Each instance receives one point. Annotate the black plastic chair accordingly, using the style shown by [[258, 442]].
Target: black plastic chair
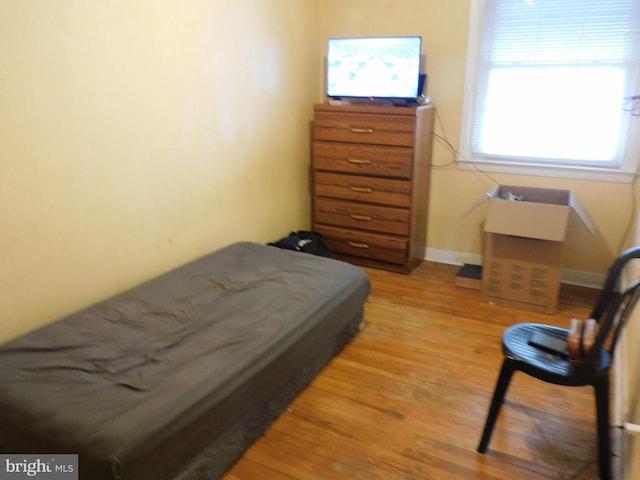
[[611, 311]]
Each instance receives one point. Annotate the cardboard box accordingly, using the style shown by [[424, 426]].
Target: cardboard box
[[525, 245]]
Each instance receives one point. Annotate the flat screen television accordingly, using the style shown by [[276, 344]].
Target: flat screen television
[[375, 67]]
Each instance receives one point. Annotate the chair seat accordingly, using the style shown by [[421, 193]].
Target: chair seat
[[550, 367]]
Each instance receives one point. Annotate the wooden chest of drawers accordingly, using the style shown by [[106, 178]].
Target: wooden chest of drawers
[[371, 173]]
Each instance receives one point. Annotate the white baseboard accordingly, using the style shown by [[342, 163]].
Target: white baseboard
[[452, 258], [571, 277]]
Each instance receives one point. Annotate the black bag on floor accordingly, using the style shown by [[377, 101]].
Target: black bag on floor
[[304, 241]]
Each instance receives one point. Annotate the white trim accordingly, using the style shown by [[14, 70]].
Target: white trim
[[620, 379], [583, 279], [570, 277], [452, 258], [621, 405], [471, 74], [632, 428], [577, 173]]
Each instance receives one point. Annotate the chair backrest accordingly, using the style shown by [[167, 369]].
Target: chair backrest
[[613, 307], [612, 283]]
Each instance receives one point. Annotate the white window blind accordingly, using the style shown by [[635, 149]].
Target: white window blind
[[552, 77]]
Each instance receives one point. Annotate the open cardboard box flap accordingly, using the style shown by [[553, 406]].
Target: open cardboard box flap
[[543, 213]]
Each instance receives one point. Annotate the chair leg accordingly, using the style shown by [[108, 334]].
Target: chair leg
[[604, 433], [498, 398]]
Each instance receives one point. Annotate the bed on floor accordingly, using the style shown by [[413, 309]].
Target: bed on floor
[[175, 378]]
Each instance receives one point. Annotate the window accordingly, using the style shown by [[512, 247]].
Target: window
[[547, 84]]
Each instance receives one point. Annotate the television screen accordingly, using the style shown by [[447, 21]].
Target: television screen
[[377, 67]]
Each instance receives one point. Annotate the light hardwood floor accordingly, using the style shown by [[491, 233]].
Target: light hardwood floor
[[407, 398]]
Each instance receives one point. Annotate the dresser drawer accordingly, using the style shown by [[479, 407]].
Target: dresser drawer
[[366, 245], [385, 191], [363, 159], [361, 216], [364, 128]]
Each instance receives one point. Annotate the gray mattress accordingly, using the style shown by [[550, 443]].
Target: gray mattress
[[176, 377]]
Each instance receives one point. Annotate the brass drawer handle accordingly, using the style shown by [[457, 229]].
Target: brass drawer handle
[[357, 216], [357, 244], [359, 161], [360, 189], [361, 130]]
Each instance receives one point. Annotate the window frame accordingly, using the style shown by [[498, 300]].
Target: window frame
[[625, 172]]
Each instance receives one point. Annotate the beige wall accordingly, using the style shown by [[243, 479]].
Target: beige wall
[[136, 135], [632, 353]]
